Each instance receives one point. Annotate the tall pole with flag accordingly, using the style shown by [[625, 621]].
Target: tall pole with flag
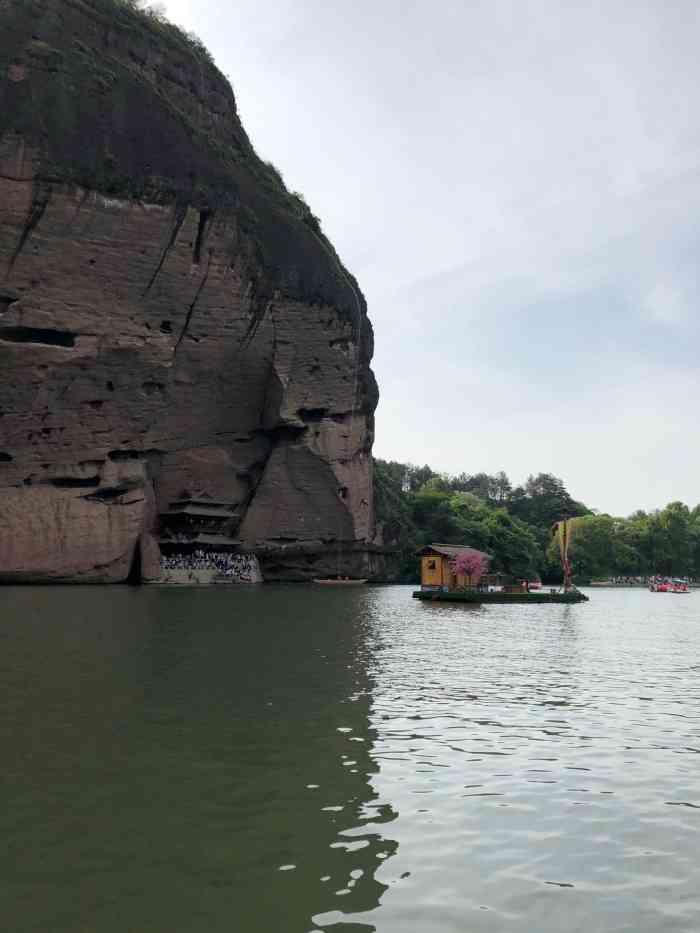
[[563, 531]]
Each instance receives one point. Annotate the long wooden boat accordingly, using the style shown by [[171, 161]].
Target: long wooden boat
[[476, 597], [331, 582]]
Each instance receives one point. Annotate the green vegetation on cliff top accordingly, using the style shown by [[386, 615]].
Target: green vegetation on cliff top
[[153, 17], [119, 100]]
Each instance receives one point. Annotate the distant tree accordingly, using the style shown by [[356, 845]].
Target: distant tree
[[434, 517], [543, 500], [418, 476], [481, 484], [502, 488], [675, 522], [515, 544], [392, 509], [417, 506], [438, 482], [694, 542], [592, 550], [494, 488], [460, 483]]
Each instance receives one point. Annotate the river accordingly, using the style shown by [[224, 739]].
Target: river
[[289, 759]]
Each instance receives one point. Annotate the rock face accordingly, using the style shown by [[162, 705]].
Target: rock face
[[173, 323]]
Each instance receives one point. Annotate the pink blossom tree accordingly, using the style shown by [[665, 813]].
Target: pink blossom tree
[[471, 564]]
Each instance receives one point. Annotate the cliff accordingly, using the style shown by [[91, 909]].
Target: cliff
[[173, 323]]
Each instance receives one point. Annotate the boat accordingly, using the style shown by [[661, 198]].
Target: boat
[[458, 574], [661, 585], [339, 582]]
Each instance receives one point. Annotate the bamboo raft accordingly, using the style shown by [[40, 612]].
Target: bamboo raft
[[477, 598]]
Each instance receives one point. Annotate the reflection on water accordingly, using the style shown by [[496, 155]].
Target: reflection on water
[[294, 759], [187, 760]]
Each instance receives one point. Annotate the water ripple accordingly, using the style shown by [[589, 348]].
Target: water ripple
[[595, 714], [291, 760]]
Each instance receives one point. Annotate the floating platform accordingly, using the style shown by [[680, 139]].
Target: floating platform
[[475, 597]]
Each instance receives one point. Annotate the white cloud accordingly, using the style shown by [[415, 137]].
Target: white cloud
[[667, 304]]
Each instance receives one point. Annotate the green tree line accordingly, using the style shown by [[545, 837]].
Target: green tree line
[[416, 506]]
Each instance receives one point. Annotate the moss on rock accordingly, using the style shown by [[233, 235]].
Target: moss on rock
[[118, 101]]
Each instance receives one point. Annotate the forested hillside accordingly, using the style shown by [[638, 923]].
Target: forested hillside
[[416, 506]]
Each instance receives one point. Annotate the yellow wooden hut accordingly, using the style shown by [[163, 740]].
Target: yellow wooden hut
[[437, 567]]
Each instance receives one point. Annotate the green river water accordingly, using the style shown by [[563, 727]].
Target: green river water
[[296, 759]]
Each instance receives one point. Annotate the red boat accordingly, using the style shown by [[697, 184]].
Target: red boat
[[669, 586]]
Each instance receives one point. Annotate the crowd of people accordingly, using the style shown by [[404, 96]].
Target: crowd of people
[[630, 581], [242, 567]]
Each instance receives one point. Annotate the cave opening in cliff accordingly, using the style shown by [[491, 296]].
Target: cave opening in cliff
[[45, 335], [313, 414], [134, 578], [199, 241], [122, 456], [75, 482]]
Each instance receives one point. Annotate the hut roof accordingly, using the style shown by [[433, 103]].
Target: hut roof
[[452, 550]]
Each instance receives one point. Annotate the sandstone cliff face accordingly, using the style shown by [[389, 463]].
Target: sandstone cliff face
[[172, 322]]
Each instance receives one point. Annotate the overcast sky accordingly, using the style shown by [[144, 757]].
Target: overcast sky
[[516, 186]]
